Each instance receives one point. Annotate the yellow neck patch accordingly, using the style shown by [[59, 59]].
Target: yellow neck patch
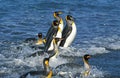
[[44, 40], [46, 63], [61, 21], [59, 29], [73, 24], [54, 15], [50, 74], [39, 42]]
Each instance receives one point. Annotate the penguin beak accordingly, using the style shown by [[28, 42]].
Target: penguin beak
[[60, 12], [88, 56], [57, 13], [71, 18]]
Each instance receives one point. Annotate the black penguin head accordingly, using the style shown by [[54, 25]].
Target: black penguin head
[[55, 23], [39, 35], [46, 61], [69, 17], [87, 56]]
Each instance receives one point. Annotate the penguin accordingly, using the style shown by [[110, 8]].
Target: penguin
[[86, 65], [40, 40], [53, 33], [69, 32], [60, 27], [79, 70]]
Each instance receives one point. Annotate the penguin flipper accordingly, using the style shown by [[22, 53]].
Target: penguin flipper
[[65, 34], [49, 32], [49, 39]]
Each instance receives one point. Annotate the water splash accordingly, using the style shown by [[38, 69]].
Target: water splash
[[92, 50], [77, 72], [94, 73]]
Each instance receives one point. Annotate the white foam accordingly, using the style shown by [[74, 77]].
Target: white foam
[[95, 72], [92, 50], [112, 42], [114, 46], [57, 61], [75, 72], [4, 70], [2, 56], [17, 58]]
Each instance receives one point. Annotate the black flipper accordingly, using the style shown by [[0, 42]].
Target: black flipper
[[66, 32]]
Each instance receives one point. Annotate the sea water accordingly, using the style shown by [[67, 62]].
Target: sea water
[[98, 34]]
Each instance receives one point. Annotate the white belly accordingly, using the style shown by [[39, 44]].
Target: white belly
[[71, 37], [51, 46], [61, 26], [59, 35]]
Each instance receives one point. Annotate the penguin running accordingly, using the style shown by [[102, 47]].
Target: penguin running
[[46, 73], [53, 32], [69, 32], [59, 19], [86, 65], [60, 26]]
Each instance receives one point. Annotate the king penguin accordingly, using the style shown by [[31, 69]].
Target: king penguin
[[40, 40], [59, 19], [69, 32], [49, 40]]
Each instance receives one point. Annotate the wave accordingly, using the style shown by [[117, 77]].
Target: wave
[[75, 71], [78, 52], [14, 56]]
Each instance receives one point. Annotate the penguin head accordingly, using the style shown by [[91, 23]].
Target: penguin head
[[55, 23], [69, 17], [69, 20], [87, 56], [46, 61], [39, 35], [57, 13]]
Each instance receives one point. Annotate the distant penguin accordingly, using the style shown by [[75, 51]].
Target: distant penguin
[[80, 71], [40, 39], [69, 32], [86, 65]]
